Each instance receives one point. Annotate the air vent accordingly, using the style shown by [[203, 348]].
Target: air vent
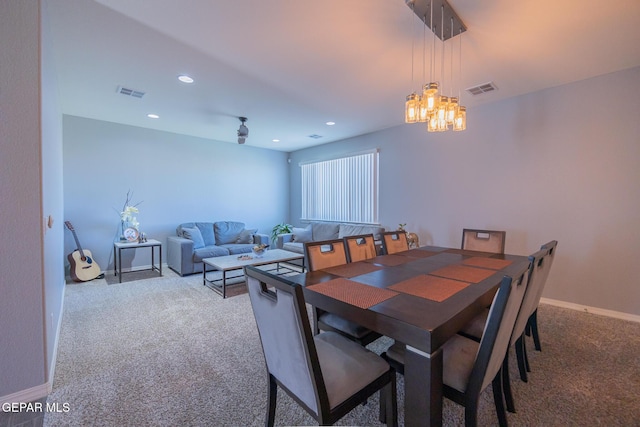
[[315, 136], [483, 88], [130, 92]]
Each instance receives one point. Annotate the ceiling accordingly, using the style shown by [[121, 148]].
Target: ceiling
[[291, 66]]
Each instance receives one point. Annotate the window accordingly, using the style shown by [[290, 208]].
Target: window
[[343, 189]]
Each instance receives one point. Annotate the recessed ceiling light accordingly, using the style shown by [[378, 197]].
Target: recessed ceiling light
[[330, 123], [153, 116], [275, 140], [185, 79]]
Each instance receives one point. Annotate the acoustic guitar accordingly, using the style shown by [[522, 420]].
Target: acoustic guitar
[[83, 267]]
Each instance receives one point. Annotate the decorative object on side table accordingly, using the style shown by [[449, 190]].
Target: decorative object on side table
[[259, 250], [412, 238], [129, 225]]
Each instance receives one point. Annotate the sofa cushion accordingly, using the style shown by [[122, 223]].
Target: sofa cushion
[[208, 252], [357, 229], [294, 247], [324, 230], [302, 235], [236, 248], [194, 235], [246, 236], [227, 231], [206, 229]]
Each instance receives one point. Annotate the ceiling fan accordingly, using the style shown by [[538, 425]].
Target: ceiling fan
[[243, 131]]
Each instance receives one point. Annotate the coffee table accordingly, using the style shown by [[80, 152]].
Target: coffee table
[[239, 261]]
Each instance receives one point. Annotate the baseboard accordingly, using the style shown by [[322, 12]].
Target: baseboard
[[28, 395], [593, 310]]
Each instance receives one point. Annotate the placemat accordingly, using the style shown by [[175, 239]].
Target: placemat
[[463, 273], [354, 293], [390, 260], [416, 253], [430, 287], [492, 263], [352, 269]]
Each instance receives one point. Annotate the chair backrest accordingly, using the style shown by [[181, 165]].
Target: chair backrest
[[394, 241], [483, 240], [287, 342], [325, 254], [496, 336], [360, 247], [540, 263]]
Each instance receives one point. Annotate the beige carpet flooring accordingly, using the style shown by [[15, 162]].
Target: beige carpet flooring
[[170, 352]]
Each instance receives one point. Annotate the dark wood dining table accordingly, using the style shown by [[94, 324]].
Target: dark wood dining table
[[420, 297]]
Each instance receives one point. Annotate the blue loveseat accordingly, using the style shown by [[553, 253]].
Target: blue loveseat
[[195, 241]]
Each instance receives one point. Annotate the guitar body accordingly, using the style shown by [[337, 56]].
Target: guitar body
[[83, 267], [83, 270]]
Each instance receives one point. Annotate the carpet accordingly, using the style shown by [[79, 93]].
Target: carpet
[[168, 351]]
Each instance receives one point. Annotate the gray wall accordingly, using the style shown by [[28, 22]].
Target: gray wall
[[176, 178], [556, 164]]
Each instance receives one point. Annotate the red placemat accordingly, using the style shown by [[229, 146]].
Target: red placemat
[[390, 260], [463, 273], [430, 287], [416, 253], [354, 293], [492, 263], [352, 269]]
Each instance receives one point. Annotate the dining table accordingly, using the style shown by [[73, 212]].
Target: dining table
[[420, 297]]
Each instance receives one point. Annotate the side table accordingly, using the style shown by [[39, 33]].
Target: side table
[[117, 255]]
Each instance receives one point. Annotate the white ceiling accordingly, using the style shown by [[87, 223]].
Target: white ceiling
[[290, 66]]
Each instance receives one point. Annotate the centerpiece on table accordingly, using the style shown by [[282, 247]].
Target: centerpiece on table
[[129, 225], [259, 250]]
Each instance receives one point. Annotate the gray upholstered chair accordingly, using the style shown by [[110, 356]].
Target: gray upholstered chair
[[394, 241], [327, 374], [532, 324], [327, 254], [360, 248], [539, 265], [469, 366], [483, 240]]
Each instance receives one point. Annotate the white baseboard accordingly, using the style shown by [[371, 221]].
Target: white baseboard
[[28, 395], [592, 310]]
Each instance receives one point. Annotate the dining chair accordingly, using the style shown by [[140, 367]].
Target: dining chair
[[532, 323], [483, 240], [394, 241], [539, 264], [470, 366], [327, 374], [326, 254], [360, 248]]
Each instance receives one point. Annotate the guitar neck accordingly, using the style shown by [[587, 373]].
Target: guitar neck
[[75, 237]]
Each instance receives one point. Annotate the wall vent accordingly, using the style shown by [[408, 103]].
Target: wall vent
[[483, 88], [130, 92], [315, 136]]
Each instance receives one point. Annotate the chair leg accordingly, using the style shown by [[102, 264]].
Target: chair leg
[[526, 356], [316, 314], [471, 413], [533, 322], [521, 354], [389, 403], [506, 384], [271, 405], [498, 399]]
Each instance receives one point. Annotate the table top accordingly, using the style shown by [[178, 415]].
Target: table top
[[149, 242], [420, 297], [231, 262]]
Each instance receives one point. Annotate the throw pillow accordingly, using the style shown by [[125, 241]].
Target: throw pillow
[[194, 235], [301, 235], [246, 236]]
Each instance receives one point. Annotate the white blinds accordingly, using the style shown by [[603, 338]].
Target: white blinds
[[344, 189]]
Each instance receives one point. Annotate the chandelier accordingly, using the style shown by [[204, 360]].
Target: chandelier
[[439, 111]]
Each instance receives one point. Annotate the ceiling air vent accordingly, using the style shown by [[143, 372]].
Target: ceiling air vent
[[315, 136], [130, 92], [483, 88]]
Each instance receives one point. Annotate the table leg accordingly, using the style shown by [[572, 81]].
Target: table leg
[[224, 284], [160, 256], [423, 388], [115, 262], [119, 265]]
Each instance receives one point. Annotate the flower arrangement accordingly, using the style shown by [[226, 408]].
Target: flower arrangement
[[127, 215]]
